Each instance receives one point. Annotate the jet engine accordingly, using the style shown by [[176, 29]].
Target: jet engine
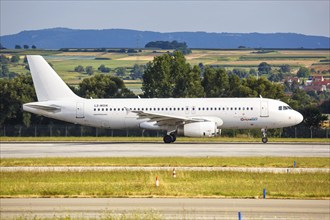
[[198, 129]]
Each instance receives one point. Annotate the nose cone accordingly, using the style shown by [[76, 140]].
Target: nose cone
[[299, 118]]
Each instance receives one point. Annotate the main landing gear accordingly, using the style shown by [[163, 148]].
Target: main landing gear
[[264, 138], [169, 138]]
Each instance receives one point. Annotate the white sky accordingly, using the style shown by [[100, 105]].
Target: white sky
[[310, 17]]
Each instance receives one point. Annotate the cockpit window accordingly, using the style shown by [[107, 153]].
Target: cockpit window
[[284, 108]]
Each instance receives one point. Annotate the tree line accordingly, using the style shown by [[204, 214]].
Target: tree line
[[167, 45], [168, 75], [135, 73]]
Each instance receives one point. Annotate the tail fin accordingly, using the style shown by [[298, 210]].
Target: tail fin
[[48, 85]]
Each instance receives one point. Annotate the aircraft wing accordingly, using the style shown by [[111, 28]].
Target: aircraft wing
[[164, 119]]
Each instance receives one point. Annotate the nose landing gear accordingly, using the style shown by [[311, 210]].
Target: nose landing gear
[[264, 138]]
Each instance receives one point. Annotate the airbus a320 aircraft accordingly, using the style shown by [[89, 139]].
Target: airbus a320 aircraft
[[192, 117]]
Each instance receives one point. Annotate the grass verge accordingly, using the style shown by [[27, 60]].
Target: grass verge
[[142, 184], [280, 162]]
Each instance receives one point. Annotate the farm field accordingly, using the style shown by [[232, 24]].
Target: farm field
[[65, 62]]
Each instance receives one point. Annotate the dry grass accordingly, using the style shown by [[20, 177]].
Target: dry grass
[[142, 184], [278, 162]]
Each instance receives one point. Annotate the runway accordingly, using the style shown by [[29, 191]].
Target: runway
[[168, 208], [88, 149]]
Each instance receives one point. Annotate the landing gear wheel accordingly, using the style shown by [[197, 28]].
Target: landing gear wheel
[[264, 138], [168, 139]]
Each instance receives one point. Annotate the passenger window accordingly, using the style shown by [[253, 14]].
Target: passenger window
[[94, 109], [247, 108], [235, 108], [239, 108], [251, 108]]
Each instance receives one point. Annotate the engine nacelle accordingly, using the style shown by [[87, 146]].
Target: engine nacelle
[[198, 129]]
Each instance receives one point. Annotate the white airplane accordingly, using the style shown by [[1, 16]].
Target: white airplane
[[192, 117]]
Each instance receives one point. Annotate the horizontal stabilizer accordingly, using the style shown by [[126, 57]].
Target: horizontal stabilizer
[[38, 106]]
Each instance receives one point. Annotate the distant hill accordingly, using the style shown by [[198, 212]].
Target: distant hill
[[57, 38]]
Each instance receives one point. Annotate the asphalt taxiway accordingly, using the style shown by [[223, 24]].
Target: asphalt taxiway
[[168, 208], [97, 149]]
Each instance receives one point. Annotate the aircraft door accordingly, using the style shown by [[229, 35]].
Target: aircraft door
[[80, 110], [264, 109]]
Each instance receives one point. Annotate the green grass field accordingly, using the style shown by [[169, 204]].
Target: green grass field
[[187, 184], [142, 184], [282, 162], [65, 62]]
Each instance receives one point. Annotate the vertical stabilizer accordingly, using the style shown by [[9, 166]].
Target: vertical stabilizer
[[48, 85]]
